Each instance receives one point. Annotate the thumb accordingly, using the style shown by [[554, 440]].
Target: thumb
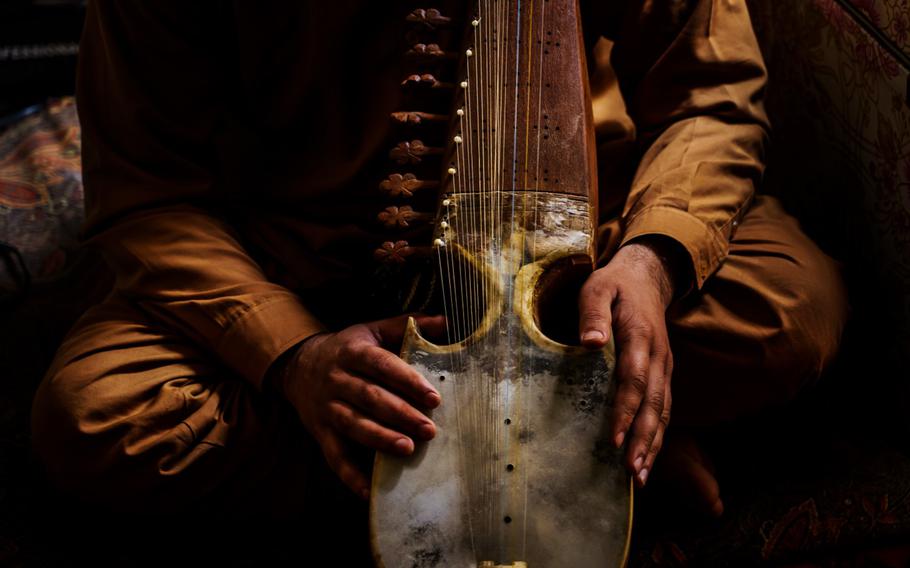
[[390, 332], [432, 327], [594, 313]]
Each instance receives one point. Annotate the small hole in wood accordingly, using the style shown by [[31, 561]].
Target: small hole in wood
[[507, 519], [510, 467], [508, 421]]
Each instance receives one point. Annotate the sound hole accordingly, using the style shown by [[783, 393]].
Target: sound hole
[[556, 299]]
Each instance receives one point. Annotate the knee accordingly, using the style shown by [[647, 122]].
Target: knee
[[67, 449], [106, 443], [812, 318]]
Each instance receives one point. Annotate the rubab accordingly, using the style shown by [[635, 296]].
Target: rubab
[[522, 472]]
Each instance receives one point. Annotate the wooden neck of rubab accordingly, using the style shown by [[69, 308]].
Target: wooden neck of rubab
[[519, 185], [526, 122]]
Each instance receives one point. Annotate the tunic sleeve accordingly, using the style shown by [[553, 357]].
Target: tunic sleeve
[[153, 98], [693, 79]]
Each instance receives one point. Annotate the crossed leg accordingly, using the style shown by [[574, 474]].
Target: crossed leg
[[138, 417], [761, 331]]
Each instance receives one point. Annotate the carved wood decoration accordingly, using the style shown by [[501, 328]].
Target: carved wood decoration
[[405, 185], [522, 472]]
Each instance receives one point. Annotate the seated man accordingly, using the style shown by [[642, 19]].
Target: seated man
[[230, 152]]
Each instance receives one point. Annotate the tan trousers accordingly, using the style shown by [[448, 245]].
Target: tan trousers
[[134, 415]]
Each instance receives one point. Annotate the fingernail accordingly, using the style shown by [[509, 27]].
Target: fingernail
[[432, 399], [637, 463], [404, 446], [643, 476], [593, 335], [427, 431], [364, 493], [620, 438]]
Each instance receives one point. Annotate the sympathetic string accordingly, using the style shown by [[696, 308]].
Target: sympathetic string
[[492, 162]]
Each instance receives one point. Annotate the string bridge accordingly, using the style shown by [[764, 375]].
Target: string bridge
[[491, 564]]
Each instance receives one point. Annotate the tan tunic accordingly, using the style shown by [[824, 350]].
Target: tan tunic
[[224, 139], [231, 154]]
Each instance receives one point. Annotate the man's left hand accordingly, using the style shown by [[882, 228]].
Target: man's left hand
[[630, 295]]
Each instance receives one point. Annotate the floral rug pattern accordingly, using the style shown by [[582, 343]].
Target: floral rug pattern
[[41, 190], [891, 17]]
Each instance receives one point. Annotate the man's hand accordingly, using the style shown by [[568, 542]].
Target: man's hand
[[348, 386], [631, 295]]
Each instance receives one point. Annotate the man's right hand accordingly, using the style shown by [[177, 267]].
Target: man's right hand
[[348, 386]]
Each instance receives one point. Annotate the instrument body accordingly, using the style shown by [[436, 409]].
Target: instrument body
[[522, 468]]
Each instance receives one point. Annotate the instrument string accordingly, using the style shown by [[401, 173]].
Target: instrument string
[[451, 307], [536, 225], [484, 189], [476, 168], [524, 382], [486, 388], [516, 246], [492, 19], [464, 207], [469, 209], [485, 77], [487, 416]]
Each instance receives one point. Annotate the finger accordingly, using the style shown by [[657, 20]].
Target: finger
[[632, 372], [353, 424], [432, 327], [658, 442], [387, 369], [336, 456], [594, 311], [647, 422], [390, 332], [386, 407]]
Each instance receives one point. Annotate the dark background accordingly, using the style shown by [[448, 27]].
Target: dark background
[[825, 482]]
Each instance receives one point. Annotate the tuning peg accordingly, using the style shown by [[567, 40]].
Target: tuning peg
[[395, 217], [404, 185], [418, 117], [412, 152], [425, 81], [430, 18]]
